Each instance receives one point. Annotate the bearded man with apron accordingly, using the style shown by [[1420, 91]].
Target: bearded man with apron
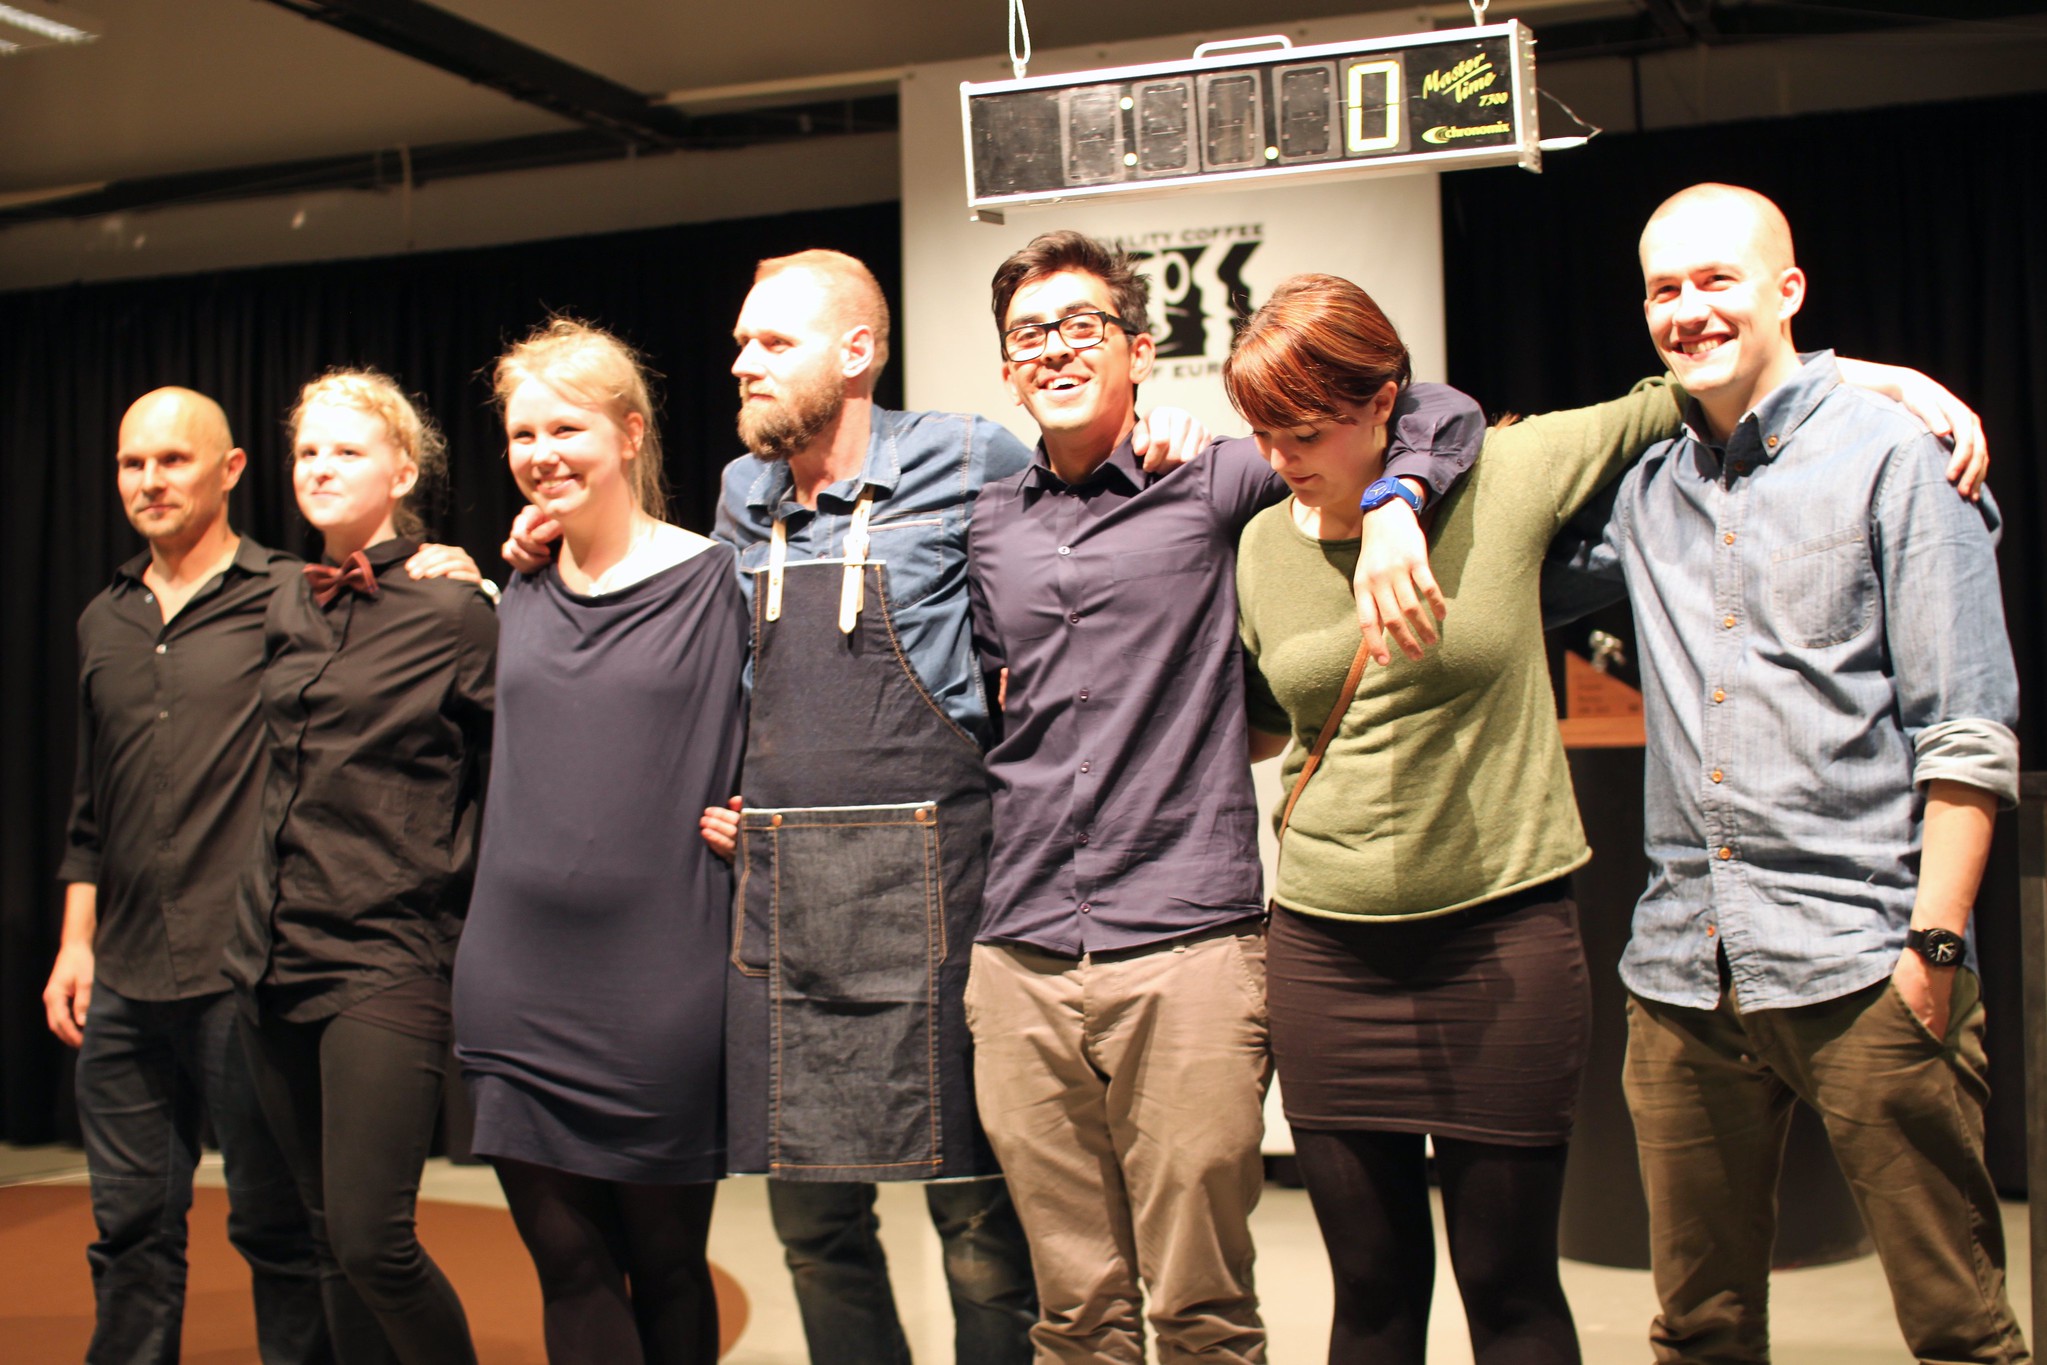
[[863, 842]]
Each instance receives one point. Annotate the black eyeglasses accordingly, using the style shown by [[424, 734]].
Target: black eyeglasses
[[1081, 330]]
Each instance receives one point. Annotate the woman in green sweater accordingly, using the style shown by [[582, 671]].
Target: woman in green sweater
[[1426, 978], [1425, 975]]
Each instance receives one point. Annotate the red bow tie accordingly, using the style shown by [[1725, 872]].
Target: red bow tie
[[328, 582]]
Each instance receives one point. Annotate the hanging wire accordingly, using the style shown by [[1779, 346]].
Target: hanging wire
[[1478, 9], [1559, 144], [1019, 39]]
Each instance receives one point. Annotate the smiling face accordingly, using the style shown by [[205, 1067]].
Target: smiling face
[[175, 467], [1720, 292], [571, 460], [1080, 399], [793, 363], [349, 475]]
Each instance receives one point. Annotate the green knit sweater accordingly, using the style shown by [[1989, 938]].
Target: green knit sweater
[[1446, 784]]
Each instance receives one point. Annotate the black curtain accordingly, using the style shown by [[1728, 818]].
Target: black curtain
[[71, 360], [1923, 232]]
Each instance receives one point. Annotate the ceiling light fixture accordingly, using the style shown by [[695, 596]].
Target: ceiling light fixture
[[25, 28]]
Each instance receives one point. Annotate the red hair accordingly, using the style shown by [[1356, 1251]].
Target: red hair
[[1319, 345]]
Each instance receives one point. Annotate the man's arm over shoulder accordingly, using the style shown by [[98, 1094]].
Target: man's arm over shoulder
[[1434, 437], [1950, 654]]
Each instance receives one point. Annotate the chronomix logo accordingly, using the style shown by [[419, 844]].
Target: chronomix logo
[[1198, 291]]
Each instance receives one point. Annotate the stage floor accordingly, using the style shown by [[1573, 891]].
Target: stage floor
[[1829, 1315]]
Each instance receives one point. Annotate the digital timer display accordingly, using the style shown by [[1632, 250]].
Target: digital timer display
[[1459, 97]]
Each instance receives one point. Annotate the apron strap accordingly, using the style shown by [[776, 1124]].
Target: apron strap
[[778, 556], [853, 589]]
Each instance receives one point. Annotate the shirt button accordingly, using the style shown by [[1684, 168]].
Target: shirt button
[[1065, 549], [1728, 538], [1083, 838], [163, 715], [1086, 766], [1083, 694], [1073, 618], [1716, 774], [1771, 442], [1710, 931], [1741, 468], [1086, 909], [1719, 696], [1727, 621], [149, 597], [1725, 853]]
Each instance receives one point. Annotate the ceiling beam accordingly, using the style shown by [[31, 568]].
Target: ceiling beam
[[429, 34]]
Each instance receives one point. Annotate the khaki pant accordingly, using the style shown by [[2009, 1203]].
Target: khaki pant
[[1711, 1094], [1125, 1098]]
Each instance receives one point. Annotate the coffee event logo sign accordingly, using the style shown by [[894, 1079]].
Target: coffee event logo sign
[[1200, 291]]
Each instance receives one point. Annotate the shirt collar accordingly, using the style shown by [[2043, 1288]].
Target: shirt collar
[[882, 470], [1121, 466], [250, 557], [1783, 410], [383, 554]]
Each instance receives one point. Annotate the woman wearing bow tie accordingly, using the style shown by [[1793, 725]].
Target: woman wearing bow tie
[[376, 699]]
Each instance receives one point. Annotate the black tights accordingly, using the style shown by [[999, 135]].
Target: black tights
[[1371, 1197], [590, 1239]]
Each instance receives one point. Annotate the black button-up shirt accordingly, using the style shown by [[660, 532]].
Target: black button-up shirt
[[163, 810], [377, 715], [1124, 814]]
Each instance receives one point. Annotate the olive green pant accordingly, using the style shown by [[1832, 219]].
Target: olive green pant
[[1711, 1094]]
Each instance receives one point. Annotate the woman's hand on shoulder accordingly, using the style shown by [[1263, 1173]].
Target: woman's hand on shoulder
[[443, 561]]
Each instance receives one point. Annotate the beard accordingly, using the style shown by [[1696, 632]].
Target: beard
[[783, 426]]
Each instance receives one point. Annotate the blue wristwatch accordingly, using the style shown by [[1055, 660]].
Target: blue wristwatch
[[1383, 491]]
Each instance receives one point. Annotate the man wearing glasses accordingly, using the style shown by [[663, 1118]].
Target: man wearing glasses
[[1117, 993]]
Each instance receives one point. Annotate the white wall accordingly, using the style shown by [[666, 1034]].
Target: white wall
[[1382, 232]]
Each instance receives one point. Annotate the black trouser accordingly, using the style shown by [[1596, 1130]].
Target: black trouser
[[353, 1106], [147, 1073]]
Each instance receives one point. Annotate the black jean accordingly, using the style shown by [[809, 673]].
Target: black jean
[[147, 1073], [353, 1105]]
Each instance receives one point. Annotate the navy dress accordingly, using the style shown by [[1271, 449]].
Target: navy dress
[[590, 986]]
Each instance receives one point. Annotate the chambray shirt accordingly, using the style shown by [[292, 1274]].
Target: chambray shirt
[[1821, 635], [926, 469]]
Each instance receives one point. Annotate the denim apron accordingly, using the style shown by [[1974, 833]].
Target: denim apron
[[862, 854]]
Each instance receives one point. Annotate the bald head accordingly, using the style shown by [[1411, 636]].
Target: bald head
[[1720, 288], [196, 420], [1729, 214], [176, 466]]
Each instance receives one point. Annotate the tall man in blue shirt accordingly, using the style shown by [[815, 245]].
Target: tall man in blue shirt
[[1829, 696], [1118, 991]]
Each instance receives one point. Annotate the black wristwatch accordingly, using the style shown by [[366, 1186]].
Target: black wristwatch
[[1940, 947]]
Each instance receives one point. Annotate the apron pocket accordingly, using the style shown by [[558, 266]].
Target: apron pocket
[[843, 913]]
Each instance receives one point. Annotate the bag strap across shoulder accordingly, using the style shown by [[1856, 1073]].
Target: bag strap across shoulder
[[1329, 728]]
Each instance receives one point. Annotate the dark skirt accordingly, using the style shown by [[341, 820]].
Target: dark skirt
[[1469, 1025]]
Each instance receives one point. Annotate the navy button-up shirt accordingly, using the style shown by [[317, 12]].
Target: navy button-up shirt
[[1821, 634], [1124, 814], [926, 469]]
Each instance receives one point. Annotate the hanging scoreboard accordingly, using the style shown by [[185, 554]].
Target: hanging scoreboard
[[1460, 97]]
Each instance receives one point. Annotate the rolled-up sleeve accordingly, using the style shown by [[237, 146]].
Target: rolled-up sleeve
[[1957, 688]]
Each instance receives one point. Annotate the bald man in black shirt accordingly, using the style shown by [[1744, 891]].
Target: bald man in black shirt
[[163, 821]]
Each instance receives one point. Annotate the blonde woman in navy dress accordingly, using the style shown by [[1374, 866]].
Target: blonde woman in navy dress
[[589, 998]]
